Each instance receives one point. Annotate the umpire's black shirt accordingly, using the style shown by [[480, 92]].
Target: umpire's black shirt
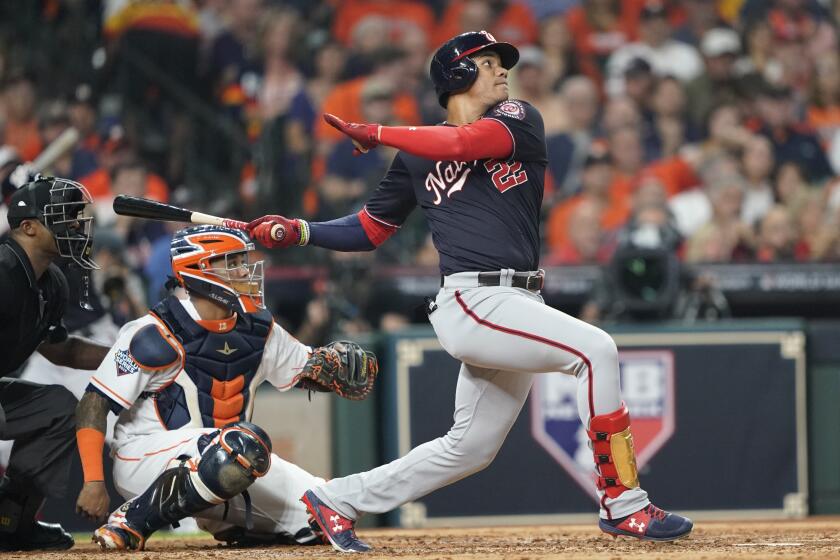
[[30, 309]]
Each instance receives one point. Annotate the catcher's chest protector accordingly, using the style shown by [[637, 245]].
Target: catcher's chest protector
[[220, 366]]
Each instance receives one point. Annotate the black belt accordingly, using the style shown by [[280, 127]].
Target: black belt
[[525, 280]]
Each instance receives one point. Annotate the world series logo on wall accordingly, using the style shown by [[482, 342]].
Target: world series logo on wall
[[647, 383]]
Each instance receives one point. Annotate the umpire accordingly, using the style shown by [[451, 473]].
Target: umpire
[[47, 220]]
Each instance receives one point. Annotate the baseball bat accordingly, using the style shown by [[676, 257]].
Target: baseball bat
[[154, 210], [57, 148]]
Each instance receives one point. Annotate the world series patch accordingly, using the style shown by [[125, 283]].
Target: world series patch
[[510, 108], [125, 363]]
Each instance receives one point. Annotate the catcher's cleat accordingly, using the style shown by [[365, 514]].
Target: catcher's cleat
[[115, 537], [649, 524], [337, 529]]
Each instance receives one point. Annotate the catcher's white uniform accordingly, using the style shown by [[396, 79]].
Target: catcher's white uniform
[[144, 446]]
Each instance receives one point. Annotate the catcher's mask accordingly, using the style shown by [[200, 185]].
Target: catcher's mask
[[213, 261], [63, 206]]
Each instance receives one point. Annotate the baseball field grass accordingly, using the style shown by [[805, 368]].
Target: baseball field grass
[[816, 537]]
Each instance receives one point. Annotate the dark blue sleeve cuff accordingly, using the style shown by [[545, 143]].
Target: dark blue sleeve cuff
[[342, 234]]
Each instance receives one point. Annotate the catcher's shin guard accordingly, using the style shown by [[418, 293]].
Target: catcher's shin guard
[[234, 458], [615, 457]]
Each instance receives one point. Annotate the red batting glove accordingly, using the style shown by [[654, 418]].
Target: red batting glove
[[274, 231], [364, 136]]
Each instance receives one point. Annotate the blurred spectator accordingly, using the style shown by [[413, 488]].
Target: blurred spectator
[[792, 140], [531, 83], [791, 186], [669, 128], [395, 15], [777, 238], [235, 50], [20, 129], [350, 179], [757, 165], [620, 112], [115, 152], [557, 44], [121, 288], [568, 150], [628, 158], [719, 84], [726, 133], [691, 208], [585, 241], [81, 108], [638, 84], [725, 237], [667, 56], [760, 57], [824, 100], [156, 44], [700, 17], [597, 187], [345, 99], [598, 28], [53, 120], [508, 20]]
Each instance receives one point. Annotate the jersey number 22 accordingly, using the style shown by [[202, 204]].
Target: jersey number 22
[[505, 175]]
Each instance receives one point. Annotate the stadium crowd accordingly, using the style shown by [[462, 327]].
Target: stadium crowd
[[718, 119]]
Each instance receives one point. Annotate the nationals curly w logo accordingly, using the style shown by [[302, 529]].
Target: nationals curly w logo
[[647, 381]]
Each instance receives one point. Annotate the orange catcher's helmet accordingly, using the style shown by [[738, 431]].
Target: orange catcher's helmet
[[214, 262]]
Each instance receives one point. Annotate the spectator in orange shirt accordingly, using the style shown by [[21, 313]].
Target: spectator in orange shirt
[[21, 127], [824, 102], [598, 28], [116, 152], [395, 15], [345, 99], [629, 160], [585, 241], [507, 20], [596, 181]]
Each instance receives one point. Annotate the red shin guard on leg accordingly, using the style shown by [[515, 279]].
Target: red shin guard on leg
[[615, 457]]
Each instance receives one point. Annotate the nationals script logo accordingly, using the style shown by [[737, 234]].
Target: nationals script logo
[[647, 381], [449, 178]]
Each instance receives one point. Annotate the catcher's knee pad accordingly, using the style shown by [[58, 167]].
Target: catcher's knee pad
[[234, 458], [615, 456]]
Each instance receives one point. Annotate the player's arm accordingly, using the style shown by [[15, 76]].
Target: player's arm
[[91, 416], [482, 139], [74, 352], [141, 352], [343, 368], [387, 208]]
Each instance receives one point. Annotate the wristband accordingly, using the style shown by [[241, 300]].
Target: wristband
[[91, 443]]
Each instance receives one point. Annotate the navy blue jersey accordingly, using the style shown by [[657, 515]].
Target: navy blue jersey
[[485, 214]]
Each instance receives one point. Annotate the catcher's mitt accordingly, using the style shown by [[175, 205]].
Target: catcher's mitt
[[342, 367]]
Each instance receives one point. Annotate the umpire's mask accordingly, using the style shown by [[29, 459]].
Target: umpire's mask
[[63, 206]]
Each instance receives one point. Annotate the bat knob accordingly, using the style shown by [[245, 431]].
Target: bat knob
[[278, 232]]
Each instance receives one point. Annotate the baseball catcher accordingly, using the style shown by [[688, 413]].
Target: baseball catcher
[[183, 380]]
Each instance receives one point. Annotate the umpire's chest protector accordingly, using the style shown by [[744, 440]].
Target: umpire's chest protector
[[220, 367]]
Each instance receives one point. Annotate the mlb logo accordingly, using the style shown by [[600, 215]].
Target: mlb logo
[[647, 383]]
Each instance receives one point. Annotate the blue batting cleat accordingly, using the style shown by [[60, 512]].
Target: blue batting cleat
[[649, 524], [339, 530]]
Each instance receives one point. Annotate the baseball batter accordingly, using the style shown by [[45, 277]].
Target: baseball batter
[[479, 181], [183, 379]]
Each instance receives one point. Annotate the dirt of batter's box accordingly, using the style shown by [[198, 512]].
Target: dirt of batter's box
[[811, 538]]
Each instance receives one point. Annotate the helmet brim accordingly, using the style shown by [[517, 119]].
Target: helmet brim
[[507, 53]]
